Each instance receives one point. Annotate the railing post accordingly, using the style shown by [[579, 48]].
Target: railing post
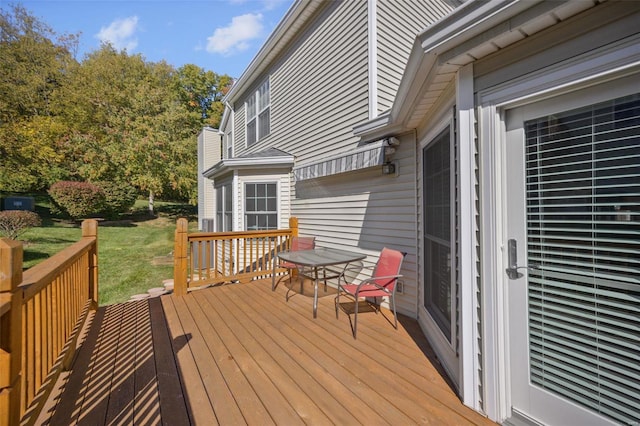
[[180, 249], [90, 230], [293, 225], [10, 331]]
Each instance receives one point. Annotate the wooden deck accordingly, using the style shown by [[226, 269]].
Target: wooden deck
[[242, 354]]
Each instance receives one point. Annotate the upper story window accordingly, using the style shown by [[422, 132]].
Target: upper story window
[[229, 146], [258, 114]]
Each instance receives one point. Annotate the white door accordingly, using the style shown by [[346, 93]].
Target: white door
[[573, 213]]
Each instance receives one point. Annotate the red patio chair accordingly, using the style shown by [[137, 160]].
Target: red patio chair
[[297, 243], [382, 283]]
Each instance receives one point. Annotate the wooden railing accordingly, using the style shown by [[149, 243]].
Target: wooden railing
[[41, 313], [205, 258]]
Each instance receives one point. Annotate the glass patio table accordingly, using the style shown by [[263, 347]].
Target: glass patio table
[[317, 259]]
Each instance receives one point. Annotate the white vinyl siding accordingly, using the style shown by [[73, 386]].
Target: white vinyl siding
[[209, 153], [398, 24], [240, 132], [365, 211], [309, 119]]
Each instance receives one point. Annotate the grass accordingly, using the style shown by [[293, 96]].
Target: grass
[[134, 254]]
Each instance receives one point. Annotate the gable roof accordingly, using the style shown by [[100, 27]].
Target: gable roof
[[268, 158]]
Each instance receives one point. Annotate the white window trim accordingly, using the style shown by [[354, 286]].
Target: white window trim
[[243, 212], [256, 96]]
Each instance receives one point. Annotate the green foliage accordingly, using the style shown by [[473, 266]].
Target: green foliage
[[112, 117], [33, 66], [15, 222], [78, 199], [202, 92], [119, 197]]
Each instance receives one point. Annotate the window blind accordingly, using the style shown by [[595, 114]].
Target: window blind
[[583, 232]]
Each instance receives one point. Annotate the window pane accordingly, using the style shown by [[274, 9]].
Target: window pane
[[261, 206], [263, 94], [265, 126], [227, 222], [228, 199], [272, 204], [251, 222], [251, 132], [251, 108], [438, 287]]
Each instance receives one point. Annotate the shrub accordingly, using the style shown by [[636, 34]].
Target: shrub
[[78, 199], [119, 197], [15, 222]]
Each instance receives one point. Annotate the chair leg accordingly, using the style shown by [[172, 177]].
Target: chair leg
[[395, 316], [355, 318]]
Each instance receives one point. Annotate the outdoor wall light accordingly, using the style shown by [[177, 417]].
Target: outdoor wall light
[[389, 168]]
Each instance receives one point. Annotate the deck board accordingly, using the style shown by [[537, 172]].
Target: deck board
[[242, 354]]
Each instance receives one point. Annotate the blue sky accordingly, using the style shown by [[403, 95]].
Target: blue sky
[[217, 35]]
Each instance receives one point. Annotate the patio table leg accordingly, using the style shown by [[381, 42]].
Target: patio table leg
[[315, 292], [273, 276]]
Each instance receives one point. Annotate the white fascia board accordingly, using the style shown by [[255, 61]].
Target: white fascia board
[[370, 127], [467, 26], [226, 114]]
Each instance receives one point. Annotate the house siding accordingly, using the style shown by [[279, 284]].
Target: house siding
[[209, 153], [319, 89], [307, 119], [365, 211], [398, 24]]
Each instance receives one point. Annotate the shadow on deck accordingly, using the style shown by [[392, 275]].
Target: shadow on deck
[[241, 354]]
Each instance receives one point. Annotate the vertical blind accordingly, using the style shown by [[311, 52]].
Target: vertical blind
[[583, 232]]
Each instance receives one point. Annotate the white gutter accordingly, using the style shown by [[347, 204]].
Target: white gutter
[[228, 164]]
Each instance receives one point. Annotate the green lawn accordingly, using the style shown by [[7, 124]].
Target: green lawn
[[134, 255]]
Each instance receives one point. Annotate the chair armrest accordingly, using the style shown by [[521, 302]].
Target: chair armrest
[[373, 280]]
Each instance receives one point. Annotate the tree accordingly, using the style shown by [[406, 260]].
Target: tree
[[33, 66], [202, 91], [112, 117]]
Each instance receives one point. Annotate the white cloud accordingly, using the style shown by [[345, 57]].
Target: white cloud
[[120, 33], [236, 36]]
